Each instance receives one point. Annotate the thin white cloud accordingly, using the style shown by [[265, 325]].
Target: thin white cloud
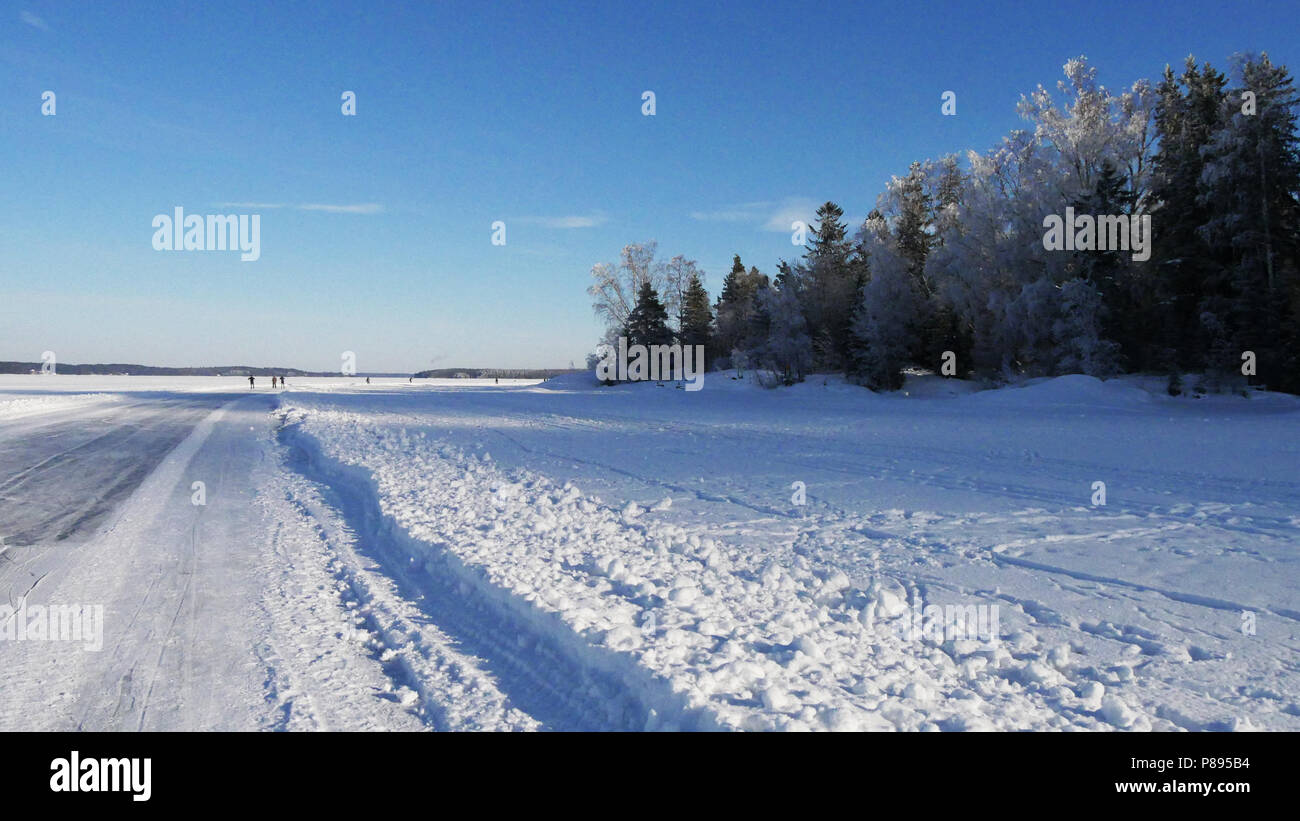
[[744, 212], [791, 210], [566, 222], [769, 215], [32, 20], [358, 208]]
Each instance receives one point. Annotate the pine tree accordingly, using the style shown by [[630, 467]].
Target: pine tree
[[1249, 185], [1124, 304], [1188, 111], [697, 318], [648, 322], [829, 283], [735, 320], [731, 282], [912, 228]]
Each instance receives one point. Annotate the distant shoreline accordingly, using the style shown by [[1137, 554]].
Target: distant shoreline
[[120, 369]]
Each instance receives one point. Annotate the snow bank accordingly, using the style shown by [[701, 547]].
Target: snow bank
[[1074, 390], [704, 632]]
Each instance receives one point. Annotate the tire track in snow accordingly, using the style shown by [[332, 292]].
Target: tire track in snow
[[543, 666]]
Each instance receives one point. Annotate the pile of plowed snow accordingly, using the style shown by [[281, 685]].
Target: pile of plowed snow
[[1072, 390]]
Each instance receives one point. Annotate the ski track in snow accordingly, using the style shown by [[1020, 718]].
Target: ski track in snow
[[572, 558]]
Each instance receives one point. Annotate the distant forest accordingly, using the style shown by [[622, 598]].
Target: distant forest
[[493, 373], [118, 369]]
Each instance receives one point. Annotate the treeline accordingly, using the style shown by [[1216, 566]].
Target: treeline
[[119, 369], [952, 264], [492, 373]]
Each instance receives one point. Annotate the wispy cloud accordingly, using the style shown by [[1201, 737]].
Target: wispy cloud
[[791, 210], [258, 205], [566, 222], [768, 215], [32, 20], [357, 208], [744, 212]]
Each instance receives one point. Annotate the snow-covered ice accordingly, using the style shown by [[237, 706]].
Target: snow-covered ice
[[457, 554]]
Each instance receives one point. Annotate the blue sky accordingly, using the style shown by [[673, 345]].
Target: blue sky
[[376, 229]]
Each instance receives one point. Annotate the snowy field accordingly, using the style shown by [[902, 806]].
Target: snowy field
[[457, 554]]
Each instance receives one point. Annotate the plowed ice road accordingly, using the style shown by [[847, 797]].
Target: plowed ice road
[[184, 553]]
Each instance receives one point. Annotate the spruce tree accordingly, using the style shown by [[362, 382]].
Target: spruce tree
[[1125, 300], [829, 287], [1188, 270], [697, 318], [1249, 186], [648, 322]]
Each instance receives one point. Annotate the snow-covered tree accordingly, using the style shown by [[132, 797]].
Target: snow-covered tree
[[785, 350], [884, 325], [1080, 344], [614, 289], [678, 273]]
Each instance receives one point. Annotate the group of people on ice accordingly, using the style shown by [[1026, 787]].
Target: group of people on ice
[[252, 382]]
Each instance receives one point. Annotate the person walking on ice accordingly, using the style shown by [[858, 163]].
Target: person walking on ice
[[250, 383]]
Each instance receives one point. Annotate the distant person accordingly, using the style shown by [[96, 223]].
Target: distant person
[[367, 380], [498, 380], [282, 381], [250, 383]]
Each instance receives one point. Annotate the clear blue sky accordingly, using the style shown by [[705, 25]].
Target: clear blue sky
[[470, 112]]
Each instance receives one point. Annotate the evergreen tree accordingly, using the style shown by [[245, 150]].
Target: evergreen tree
[[736, 309], [697, 317], [1124, 298], [884, 322], [1249, 186], [829, 286], [648, 322], [912, 227], [1188, 111], [732, 282]]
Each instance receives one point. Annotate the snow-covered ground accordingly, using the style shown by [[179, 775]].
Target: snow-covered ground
[[457, 554]]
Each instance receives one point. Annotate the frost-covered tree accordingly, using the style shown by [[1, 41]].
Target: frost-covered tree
[[678, 273], [785, 350], [1080, 343], [615, 288], [884, 325]]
